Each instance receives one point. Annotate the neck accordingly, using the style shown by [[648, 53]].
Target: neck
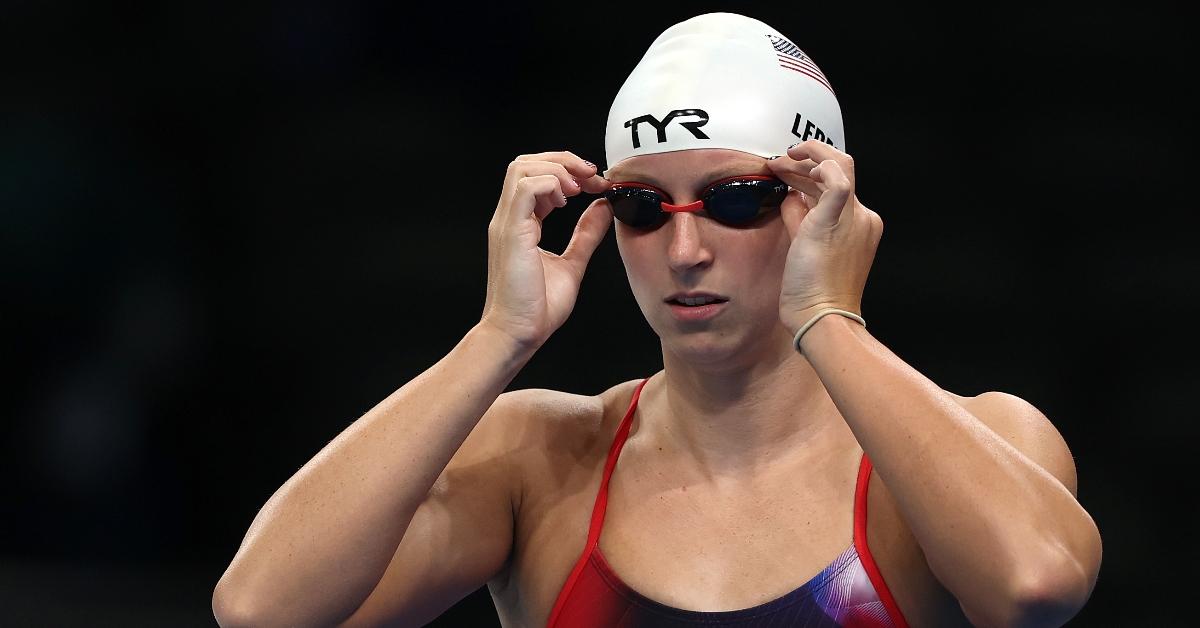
[[745, 415]]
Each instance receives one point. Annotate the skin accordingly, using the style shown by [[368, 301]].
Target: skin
[[736, 483], [718, 371]]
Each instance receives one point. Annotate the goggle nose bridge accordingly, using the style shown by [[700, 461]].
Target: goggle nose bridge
[[690, 207]]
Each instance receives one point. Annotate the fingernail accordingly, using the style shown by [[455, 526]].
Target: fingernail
[[575, 181], [793, 145], [592, 165], [775, 157]]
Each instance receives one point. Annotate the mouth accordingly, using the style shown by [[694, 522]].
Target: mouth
[[695, 299]]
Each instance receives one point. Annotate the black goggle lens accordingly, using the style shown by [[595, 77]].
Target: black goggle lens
[[734, 203], [636, 207]]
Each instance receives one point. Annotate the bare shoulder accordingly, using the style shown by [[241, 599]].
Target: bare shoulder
[[560, 422], [556, 442], [1027, 429]]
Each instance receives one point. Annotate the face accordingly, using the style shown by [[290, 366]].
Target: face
[[694, 253]]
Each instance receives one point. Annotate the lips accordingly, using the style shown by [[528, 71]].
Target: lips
[[695, 298]]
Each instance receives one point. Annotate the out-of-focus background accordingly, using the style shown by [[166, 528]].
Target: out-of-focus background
[[229, 229]]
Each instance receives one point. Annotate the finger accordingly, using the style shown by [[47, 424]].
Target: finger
[[819, 151], [835, 199], [876, 226], [538, 195], [794, 208], [517, 170], [595, 184], [579, 168], [529, 168], [795, 173], [589, 231]]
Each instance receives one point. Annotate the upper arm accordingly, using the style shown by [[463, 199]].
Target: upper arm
[[462, 534], [1030, 432]]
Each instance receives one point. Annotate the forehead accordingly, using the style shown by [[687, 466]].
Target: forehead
[[694, 165]]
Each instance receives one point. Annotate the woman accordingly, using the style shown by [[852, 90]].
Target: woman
[[733, 486]]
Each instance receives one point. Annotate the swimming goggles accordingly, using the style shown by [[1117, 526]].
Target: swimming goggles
[[736, 201]]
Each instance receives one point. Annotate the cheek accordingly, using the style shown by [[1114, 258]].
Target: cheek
[[636, 257], [766, 250], [778, 247], [764, 257]]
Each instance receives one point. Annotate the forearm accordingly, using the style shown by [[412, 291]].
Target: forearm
[[994, 526], [323, 540]]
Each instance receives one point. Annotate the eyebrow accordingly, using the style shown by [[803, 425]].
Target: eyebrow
[[715, 175]]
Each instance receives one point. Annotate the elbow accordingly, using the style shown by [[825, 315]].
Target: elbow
[[1043, 597], [233, 609], [1046, 607], [237, 606], [228, 610], [1055, 591]]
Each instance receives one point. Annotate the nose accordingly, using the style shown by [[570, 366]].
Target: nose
[[687, 248]]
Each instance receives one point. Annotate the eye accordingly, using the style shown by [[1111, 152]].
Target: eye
[[637, 207], [746, 201], [642, 187]]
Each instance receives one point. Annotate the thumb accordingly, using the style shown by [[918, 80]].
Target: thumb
[[589, 231]]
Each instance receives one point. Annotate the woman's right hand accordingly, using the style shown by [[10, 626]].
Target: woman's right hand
[[531, 291]]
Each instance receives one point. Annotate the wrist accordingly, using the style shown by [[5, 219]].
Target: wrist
[[501, 343], [794, 319], [823, 322]]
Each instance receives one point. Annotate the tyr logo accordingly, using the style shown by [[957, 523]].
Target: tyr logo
[[661, 127]]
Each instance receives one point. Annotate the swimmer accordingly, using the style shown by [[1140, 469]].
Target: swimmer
[[784, 468]]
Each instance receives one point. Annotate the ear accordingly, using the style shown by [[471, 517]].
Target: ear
[[795, 207]]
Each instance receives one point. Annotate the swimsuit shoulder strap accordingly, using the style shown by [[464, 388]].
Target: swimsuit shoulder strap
[[615, 450]]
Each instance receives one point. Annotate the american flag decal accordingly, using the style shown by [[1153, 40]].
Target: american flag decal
[[793, 58]]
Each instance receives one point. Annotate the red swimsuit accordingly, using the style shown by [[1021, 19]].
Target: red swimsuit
[[849, 592]]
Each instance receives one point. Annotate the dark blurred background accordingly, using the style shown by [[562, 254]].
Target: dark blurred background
[[228, 230]]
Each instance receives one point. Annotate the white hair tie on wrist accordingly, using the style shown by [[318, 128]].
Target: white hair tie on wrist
[[816, 317]]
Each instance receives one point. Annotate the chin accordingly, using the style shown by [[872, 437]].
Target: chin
[[710, 350]]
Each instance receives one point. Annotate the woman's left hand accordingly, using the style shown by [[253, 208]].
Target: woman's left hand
[[833, 240]]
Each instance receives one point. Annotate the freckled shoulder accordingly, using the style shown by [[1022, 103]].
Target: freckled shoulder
[[563, 443], [556, 407], [562, 428]]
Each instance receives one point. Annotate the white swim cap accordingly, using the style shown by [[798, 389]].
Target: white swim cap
[[722, 80]]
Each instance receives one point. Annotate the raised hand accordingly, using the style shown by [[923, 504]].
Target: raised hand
[[834, 236], [531, 291]]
